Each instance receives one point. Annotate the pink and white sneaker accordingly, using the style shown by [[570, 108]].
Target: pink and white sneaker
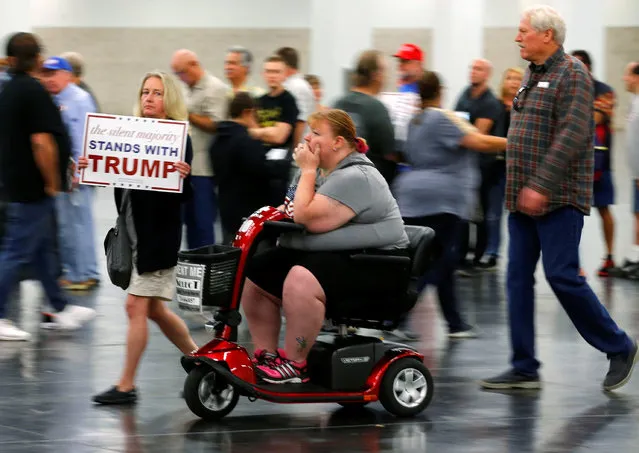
[[262, 356], [283, 370]]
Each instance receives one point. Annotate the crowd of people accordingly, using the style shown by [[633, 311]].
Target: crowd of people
[[541, 146]]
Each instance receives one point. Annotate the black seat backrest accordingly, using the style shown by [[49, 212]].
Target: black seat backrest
[[421, 247]]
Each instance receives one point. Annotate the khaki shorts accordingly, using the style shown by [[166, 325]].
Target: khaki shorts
[[158, 284]]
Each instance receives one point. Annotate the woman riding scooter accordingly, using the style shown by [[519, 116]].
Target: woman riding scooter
[[344, 204]]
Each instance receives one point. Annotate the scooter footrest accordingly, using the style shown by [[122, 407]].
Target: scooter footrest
[[294, 388], [231, 318]]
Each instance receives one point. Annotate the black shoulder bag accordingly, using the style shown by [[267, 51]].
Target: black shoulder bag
[[117, 248]]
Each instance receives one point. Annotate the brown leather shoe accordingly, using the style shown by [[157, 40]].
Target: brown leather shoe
[[75, 286]]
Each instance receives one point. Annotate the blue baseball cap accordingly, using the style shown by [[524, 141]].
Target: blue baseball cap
[[57, 64]]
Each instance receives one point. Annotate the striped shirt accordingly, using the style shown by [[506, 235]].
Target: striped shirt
[[550, 140], [289, 199]]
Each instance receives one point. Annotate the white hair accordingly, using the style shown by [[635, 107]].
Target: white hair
[[245, 54], [544, 17], [76, 61]]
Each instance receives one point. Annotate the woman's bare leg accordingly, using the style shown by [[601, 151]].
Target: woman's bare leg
[[172, 326], [304, 308], [263, 316], [137, 309]]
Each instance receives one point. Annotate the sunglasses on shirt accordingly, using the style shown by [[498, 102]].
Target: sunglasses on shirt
[[518, 100]]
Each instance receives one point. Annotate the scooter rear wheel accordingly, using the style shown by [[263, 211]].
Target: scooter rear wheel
[[207, 395], [407, 388]]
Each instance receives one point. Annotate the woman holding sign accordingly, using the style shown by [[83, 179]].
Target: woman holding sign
[[154, 227]]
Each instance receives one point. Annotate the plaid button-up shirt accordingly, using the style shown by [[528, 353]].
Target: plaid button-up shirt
[[550, 140]]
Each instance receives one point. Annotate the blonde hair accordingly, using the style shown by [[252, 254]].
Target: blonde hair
[[341, 125], [174, 105], [502, 88], [313, 80]]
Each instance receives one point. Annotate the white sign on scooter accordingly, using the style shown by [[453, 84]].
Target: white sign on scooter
[[189, 285]]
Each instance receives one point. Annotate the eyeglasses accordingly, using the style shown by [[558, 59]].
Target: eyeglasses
[[518, 100]]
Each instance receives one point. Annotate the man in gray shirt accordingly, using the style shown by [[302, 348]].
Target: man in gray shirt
[[237, 68], [369, 114], [206, 103]]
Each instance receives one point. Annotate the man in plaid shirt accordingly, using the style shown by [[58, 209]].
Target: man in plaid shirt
[[549, 163]]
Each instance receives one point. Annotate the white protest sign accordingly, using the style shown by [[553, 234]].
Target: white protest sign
[[401, 107], [189, 285], [133, 153]]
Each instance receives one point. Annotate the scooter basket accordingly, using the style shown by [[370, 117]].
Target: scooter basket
[[205, 277]]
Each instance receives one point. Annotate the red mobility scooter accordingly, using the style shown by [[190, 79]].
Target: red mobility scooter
[[344, 368]]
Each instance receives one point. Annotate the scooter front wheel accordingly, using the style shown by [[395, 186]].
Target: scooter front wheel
[[208, 395]]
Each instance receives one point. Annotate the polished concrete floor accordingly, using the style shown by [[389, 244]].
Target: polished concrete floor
[[46, 384]]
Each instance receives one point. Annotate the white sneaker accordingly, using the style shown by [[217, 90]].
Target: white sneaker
[[9, 332], [71, 318], [469, 332], [404, 334], [365, 332]]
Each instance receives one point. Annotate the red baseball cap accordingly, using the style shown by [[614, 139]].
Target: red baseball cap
[[410, 52]]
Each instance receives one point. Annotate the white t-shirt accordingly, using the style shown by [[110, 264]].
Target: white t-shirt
[[303, 94], [633, 137]]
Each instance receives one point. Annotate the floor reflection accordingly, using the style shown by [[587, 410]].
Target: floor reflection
[[45, 385]]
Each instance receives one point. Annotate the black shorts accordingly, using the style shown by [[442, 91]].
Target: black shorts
[[343, 280]]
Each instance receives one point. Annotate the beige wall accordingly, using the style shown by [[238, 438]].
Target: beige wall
[[622, 47], [117, 58], [389, 40], [502, 51]]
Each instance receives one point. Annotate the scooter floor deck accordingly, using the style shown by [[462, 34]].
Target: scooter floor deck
[[294, 388]]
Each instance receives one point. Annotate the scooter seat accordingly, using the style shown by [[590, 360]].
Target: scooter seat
[[372, 310]]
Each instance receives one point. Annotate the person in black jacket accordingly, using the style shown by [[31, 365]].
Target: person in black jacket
[[154, 225], [34, 160], [241, 165]]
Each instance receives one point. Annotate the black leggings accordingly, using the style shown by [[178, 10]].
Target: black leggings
[[442, 272], [351, 288]]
